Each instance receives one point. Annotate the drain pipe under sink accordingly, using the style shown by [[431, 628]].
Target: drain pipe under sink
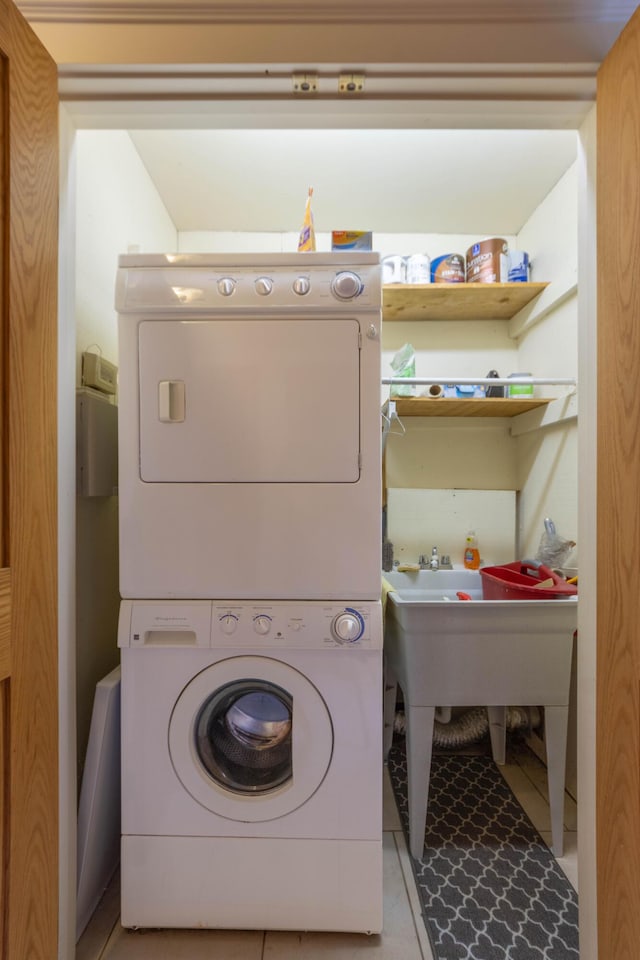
[[473, 725]]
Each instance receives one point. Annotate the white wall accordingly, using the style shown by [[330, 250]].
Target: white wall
[[117, 206], [547, 459], [437, 453]]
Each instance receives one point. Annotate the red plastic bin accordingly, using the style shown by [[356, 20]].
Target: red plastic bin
[[519, 581]]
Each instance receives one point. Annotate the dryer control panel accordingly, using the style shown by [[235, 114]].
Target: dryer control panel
[[274, 625], [180, 283]]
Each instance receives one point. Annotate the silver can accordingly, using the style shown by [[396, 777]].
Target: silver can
[[393, 269], [418, 268]]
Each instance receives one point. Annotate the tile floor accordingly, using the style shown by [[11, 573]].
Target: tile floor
[[404, 936]]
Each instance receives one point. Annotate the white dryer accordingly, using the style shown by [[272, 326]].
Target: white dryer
[[249, 426], [252, 770]]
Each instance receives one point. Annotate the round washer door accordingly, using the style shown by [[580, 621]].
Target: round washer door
[[250, 738]]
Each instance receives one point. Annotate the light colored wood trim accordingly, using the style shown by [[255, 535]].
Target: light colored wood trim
[[4, 807], [457, 301], [618, 504], [4, 492], [31, 265], [5, 623]]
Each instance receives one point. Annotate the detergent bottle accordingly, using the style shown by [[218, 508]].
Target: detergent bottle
[[307, 239], [471, 552]]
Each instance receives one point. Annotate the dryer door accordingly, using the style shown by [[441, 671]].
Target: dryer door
[[249, 401], [250, 738]]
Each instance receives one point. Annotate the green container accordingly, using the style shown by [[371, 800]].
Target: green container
[[520, 389]]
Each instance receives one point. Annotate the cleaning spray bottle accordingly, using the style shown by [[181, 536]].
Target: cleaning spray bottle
[[471, 552]]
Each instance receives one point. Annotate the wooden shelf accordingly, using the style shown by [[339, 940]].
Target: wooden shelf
[[456, 301], [484, 407]]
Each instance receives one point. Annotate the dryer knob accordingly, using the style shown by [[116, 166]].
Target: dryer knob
[[347, 627], [346, 285], [301, 286], [226, 286], [264, 286]]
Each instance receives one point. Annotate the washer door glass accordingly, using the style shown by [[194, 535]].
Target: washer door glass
[[243, 736], [251, 738]]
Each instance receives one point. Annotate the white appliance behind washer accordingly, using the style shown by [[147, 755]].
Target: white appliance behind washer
[[249, 426], [282, 836]]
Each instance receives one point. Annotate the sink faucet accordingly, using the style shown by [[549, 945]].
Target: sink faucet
[[433, 563]]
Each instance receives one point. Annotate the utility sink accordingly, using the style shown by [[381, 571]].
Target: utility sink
[[443, 651], [435, 585]]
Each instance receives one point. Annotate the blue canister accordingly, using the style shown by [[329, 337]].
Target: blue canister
[[449, 268], [519, 266]]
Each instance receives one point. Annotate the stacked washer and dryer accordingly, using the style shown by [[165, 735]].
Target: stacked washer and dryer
[[250, 625]]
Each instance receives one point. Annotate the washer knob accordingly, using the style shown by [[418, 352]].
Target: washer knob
[[348, 626], [262, 625], [301, 286], [346, 285], [228, 623], [226, 286], [264, 286]]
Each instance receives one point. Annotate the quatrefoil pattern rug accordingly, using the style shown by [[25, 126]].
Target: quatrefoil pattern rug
[[490, 887]]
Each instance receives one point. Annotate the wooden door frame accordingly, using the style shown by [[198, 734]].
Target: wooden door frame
[[68, 771], [30, 314]]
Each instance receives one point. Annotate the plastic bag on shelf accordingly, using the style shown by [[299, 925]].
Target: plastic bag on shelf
[[403, 364]]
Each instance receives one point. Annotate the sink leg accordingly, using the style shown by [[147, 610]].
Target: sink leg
[[390, 691], [419, 746], [555, 735], [498, 732]]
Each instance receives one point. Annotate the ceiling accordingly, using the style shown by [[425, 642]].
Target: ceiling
[[484, 182]]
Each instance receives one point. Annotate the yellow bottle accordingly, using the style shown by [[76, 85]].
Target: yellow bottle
[[307, 239], [471, 552]]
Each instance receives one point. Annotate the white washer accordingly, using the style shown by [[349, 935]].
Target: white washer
[[249, 426], [252, 776]]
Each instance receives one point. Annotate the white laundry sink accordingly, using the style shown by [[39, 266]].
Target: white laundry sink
[[427, 602], [435, 585], [447, 652]]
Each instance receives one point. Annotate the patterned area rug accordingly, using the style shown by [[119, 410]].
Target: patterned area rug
[[490, 888]]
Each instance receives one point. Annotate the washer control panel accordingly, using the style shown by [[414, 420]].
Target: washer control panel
[[310, 624], [250, 624]]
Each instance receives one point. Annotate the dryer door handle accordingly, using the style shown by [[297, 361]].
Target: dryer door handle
[[171, 401]]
